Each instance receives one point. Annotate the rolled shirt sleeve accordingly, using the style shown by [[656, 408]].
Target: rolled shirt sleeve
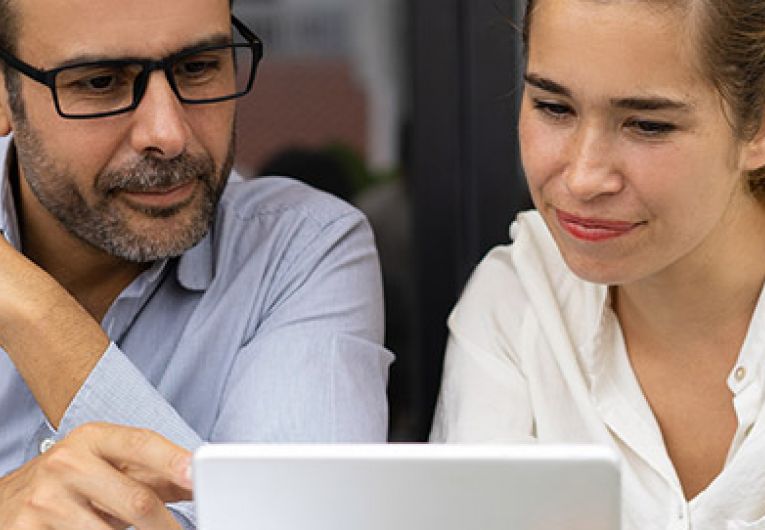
[[117, 392]]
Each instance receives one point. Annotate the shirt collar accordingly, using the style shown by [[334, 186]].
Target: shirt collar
[[583, 305], [595, 327], [9, 224], [195, 266], [598, 347]]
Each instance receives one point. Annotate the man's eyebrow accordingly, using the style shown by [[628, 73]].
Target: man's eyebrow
[[213, 40], [631, 103]]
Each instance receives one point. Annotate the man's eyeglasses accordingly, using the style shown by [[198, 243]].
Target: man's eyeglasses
[[203, 74]]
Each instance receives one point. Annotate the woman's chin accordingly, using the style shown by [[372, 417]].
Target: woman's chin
[[601, 272]]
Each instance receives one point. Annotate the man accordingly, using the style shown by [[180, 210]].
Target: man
[[136, 292]]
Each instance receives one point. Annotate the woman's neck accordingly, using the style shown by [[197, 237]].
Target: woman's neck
[[706, 297]]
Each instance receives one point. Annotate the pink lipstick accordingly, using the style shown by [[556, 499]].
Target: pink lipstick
[[593, 229]]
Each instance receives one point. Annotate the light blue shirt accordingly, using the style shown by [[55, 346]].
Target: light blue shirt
[[268, 330]]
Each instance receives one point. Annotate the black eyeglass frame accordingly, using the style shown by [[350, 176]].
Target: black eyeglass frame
[[48, 77]]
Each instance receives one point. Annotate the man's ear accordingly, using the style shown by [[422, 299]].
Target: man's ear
[[5, 109]]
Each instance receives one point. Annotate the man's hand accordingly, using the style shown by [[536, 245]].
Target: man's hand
[[101, 476]]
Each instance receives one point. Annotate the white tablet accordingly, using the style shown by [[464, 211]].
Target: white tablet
[[406, 487]]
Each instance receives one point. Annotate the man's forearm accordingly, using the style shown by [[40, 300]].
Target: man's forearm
[[53, 342]]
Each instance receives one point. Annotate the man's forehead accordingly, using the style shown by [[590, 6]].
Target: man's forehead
[[58, 29]]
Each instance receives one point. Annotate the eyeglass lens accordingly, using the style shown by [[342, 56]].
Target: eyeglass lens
[[212, 73]]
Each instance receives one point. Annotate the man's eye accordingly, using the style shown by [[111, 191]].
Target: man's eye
[[102, 82], [197, 68], [93, 83]]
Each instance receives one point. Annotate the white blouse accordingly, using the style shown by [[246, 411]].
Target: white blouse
[[536, 354]]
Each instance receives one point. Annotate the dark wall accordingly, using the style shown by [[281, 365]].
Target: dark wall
[[466, 182]]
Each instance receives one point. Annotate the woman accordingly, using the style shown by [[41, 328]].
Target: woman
[[628, 309]]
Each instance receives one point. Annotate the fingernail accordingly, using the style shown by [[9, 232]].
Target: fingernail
[[184, 466]]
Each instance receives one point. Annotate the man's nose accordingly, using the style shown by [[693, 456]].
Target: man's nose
[[591, 168], [160, 128]]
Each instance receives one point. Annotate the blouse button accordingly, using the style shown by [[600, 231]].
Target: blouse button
[[740, 373]]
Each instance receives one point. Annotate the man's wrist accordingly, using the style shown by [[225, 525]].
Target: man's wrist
[[54, 344]]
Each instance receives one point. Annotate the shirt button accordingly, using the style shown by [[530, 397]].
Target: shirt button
[[46, 444], [740, 373]]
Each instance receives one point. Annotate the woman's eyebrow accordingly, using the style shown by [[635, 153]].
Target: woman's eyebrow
[[651, 103], [548, 85], [630, 103]]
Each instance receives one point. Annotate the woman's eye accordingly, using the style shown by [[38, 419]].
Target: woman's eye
[[553, 110], [651, 128]]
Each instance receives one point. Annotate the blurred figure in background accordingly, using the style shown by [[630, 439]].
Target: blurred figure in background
[[315, 167], [387, 205]]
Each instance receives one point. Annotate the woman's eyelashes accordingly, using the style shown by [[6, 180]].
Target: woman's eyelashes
[[551, 109], [648, 128]]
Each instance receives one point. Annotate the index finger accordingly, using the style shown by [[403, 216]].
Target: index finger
[[148, 452]]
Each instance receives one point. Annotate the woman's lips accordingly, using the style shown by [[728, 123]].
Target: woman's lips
[[593, 229]]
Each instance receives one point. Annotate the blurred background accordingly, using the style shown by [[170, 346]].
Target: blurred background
[[407, 109]]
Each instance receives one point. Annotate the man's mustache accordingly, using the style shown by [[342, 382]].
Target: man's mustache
[[152, 173]]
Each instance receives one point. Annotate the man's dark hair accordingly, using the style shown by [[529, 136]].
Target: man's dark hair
[[8, 26], [9, 29]]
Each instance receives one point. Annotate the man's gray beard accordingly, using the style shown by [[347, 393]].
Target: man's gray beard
[[102, 225]]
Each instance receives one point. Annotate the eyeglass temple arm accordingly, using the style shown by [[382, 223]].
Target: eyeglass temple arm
[[27, 69], [244, 30], [250, 37]]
